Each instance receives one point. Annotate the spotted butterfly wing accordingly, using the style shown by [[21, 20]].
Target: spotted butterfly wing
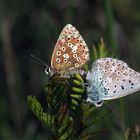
[[111, 79], [70, 51]]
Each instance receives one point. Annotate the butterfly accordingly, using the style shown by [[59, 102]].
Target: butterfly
[[110, 79], [70, 52]]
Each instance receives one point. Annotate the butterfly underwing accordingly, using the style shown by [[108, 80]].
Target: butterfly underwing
[[111, 79], [70, 52]]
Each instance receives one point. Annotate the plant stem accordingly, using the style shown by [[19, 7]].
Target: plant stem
[[68, 16], [109, 25], [123, 119], [11, 75]]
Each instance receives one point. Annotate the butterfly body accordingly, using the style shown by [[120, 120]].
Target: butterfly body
[[111, 79]]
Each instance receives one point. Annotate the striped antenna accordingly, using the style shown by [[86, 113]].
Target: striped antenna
[[40, 61]]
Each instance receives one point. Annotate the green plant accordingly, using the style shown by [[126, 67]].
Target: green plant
[[68, 116]]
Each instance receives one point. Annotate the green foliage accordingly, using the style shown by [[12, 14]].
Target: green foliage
[[68, 115], [36, 108], [91, 116], [101, 51]]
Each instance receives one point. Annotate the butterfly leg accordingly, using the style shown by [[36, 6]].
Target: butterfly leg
[[86, 85], [108, 106]]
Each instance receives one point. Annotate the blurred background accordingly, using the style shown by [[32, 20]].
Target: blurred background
[[32, 27]]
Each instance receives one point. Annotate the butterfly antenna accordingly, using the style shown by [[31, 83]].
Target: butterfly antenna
[[39, 61]]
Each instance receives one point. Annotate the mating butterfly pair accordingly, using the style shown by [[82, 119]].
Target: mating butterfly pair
[[108, 79]]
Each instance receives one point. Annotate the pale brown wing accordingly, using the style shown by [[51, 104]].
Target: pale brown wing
[[71, 51], [115, 77]]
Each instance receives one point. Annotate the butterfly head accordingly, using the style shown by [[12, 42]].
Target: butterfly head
[[93, 98], [49, 71]]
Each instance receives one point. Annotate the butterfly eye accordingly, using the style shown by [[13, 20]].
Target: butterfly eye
[[84, 56], [118, 79], [78, 40], [78, 59], [65, 60], [68, 27], [73, 38], [105, 93], [73, 29], [107, 62], [98, 104], [131, 74], [63, 49], [76, 64], [123, 67], [72, 46], [100, 78], [69, 44], [83, 62], [69, 63], [74, 51], [57, 60], [122, 87], [75, 55], [119, 65], [58, 53]]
